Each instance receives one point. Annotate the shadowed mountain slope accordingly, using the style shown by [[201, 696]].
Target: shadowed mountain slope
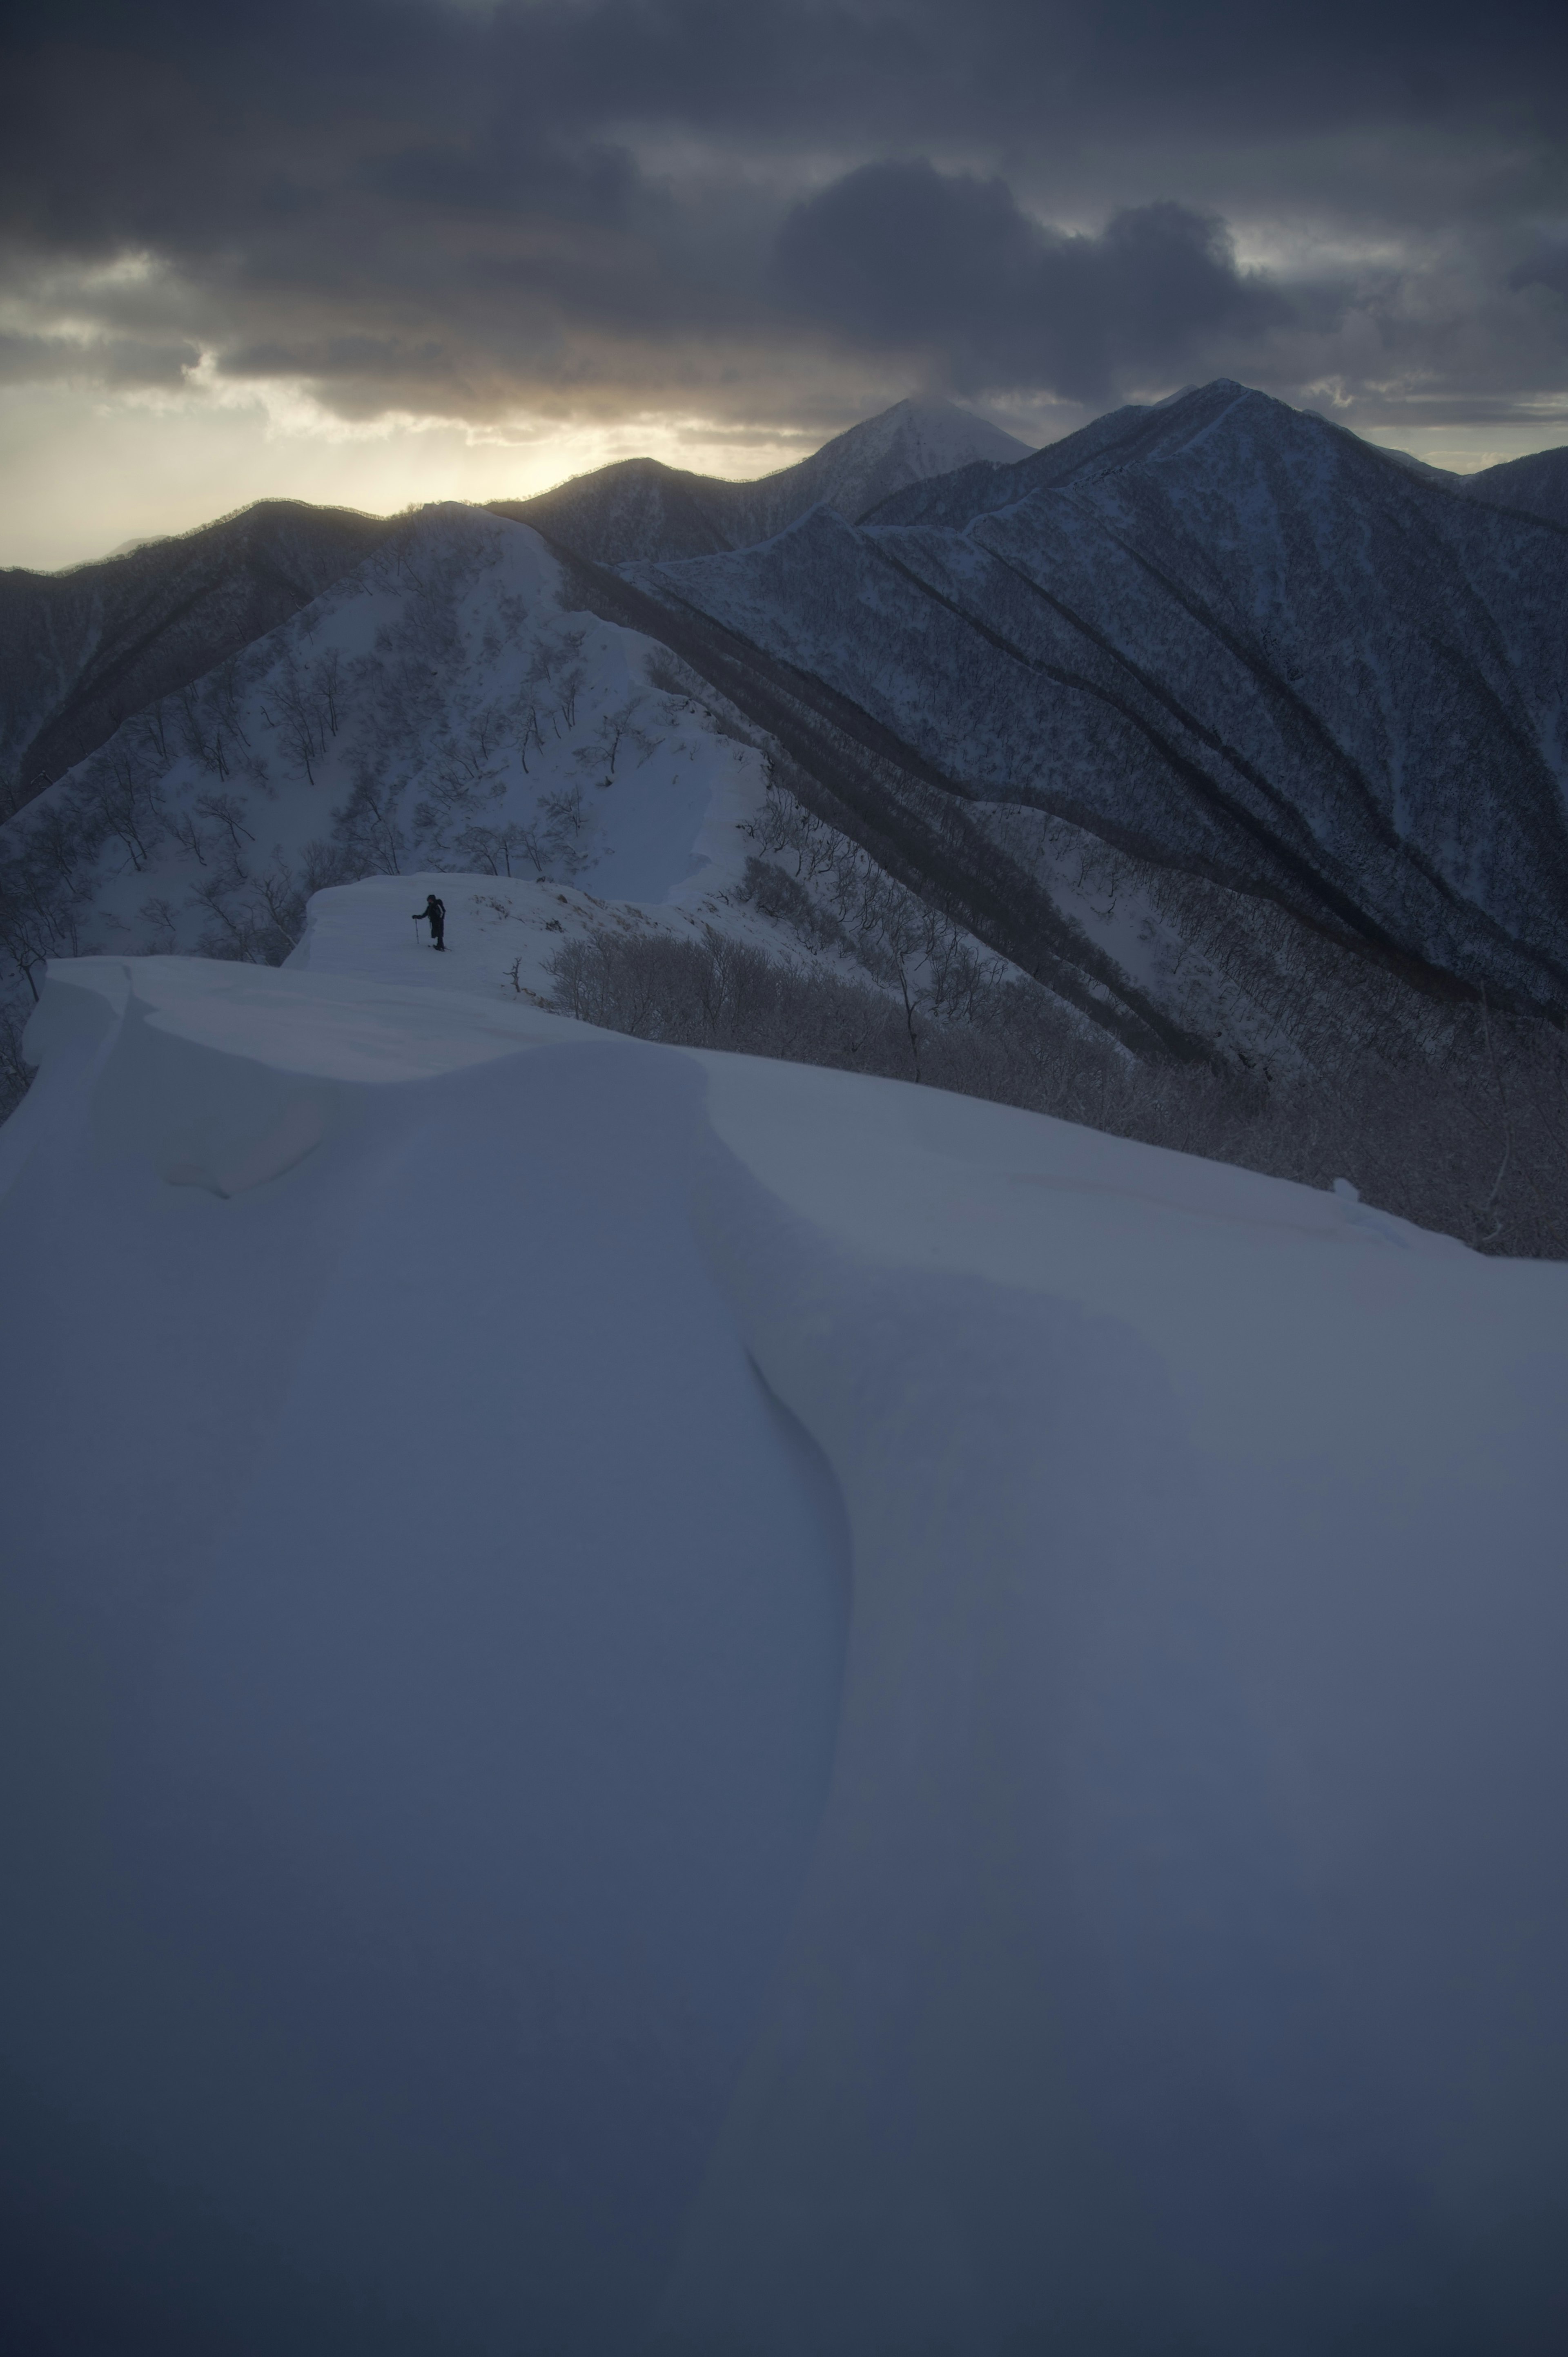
[[80, 651], [1228, 638], [640, 509], [1536, 485]]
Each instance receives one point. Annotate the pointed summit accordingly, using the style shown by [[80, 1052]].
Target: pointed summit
[[910, 443]]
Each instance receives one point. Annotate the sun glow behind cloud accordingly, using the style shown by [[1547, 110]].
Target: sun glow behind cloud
[[453, 249], [89, 472]]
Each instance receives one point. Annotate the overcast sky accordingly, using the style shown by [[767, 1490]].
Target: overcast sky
[[380, 250]]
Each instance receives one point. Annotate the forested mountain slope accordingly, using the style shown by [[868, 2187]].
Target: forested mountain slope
[[80, 651], [435, 709], [1536, 485], [1222, 638]]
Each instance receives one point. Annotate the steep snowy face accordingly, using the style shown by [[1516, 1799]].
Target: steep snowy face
[[857, 470], [440, 708], [1225, 639], [659, 1701], [1109, 440]]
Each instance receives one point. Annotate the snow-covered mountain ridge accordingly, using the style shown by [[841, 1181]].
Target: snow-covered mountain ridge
[[439, 707], [443, 713], [1218, 637], [639, 508], [1210, 735], [660, 1701], [82, 650]]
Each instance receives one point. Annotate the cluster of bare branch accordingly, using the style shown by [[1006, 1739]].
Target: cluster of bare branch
[[1470, 1138]]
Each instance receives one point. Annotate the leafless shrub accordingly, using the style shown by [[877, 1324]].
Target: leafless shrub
[[368, 826], [324, 865], [712, 992], [14, 1071], [1471, 1140], [163, 929], [254, 920]]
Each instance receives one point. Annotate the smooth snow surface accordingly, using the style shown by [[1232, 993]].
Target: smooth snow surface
[[658, 1701]]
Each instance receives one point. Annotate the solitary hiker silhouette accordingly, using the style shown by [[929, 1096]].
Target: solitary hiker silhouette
[[434, 915]]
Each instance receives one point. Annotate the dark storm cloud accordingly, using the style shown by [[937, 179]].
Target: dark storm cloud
[[111, 361], [878, 68], [949, 265], [459, 206], [1547, 266]]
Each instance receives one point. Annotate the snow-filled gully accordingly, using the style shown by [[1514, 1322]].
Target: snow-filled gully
[[487, 1875]]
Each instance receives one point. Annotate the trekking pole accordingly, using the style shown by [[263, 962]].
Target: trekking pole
[[417, 932]]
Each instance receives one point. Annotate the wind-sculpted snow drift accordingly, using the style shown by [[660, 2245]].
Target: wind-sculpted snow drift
[[657, 1701]]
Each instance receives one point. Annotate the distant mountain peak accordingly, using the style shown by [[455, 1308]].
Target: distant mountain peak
[[924, 425], [914, 441], [636, 509]]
